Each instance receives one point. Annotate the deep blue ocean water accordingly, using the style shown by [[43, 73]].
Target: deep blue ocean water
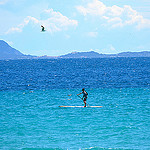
[[32, 90]]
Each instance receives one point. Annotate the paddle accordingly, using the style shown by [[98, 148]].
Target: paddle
[[82, 99]]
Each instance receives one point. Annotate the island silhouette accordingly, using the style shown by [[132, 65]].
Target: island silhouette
[[7, 52]]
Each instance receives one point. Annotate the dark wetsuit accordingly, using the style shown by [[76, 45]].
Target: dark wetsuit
[[84, 95]]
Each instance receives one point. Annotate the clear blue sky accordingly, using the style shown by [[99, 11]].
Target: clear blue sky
[[104, 26]]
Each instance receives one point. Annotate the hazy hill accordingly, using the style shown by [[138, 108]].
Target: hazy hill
[[134, 54], [7, 52], [93, 54]]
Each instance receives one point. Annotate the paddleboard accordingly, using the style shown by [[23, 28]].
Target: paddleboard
[[81, 106]]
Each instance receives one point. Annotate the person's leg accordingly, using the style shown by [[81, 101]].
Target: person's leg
[[85, 102]]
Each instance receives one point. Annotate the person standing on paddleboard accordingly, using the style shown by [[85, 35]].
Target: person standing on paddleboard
[[84, 96]]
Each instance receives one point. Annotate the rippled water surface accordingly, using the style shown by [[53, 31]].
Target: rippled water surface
[[31, 92]]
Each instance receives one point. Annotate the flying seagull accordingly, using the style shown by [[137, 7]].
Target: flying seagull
[[43, 29]]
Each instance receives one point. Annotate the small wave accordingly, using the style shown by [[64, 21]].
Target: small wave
[[102, 148], [42, 149], [90, 148]]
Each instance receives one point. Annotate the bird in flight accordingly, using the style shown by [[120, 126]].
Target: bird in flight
[[43, 28]]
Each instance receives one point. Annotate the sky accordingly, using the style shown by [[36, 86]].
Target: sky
[[103, 26]]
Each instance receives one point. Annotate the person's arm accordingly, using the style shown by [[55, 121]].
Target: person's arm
[[79, 93]]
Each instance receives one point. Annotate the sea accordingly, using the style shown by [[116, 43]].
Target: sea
[[31, 92]]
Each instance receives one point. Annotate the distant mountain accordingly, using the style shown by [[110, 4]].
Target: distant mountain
[[93, 54], [7, 52], [134, 54]]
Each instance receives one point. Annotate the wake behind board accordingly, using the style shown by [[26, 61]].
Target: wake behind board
[[81, 106]]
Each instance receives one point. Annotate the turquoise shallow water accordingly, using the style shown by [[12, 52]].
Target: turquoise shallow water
[[31, 119], [32, 90]]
